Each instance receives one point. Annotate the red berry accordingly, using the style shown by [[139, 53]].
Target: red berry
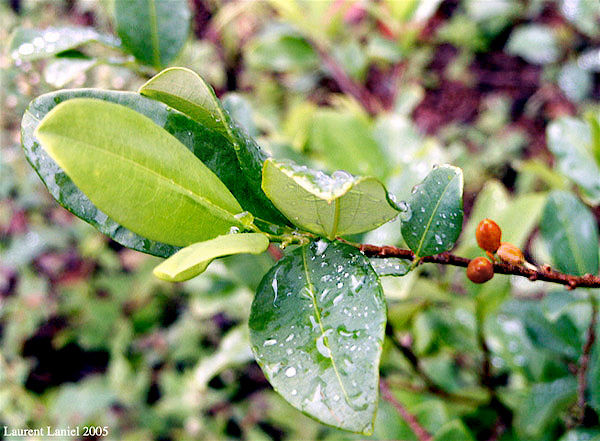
[[480, 270], [488, 235]]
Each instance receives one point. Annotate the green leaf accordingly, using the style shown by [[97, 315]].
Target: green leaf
[[570, 140], [455, 430], [208, 146], [316, 328], [330, 206], [436, 212], [571, 233], [576, 82], [581, 435], [186, 91], [194, 259], [543, 402], [391, 266], [131, 169], [535, 43], [346, 142], [154, 31], [34, 44], [281, 49]]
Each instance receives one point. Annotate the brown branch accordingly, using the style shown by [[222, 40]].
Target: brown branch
[[584, 361], [545, 273], [419, 431]]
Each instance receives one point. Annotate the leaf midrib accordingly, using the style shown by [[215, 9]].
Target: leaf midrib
[[311, 290], [417, 253], [221, 212]]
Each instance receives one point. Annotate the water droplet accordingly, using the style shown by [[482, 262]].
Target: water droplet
[[321, 346], [338, 299], [234, 230], [270, 342], [290, 372], [321, 247], [290, 337], [26, 49]]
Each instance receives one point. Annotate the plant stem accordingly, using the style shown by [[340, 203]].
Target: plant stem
[[584, 361], [544, 273], [409, 418]]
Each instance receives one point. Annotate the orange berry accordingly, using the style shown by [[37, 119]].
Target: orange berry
[[480, 270], [488, 235], [510, 254]]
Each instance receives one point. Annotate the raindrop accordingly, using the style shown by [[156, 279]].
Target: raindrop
[[321, 247], [290, 372], [26, 49], [270, 342]]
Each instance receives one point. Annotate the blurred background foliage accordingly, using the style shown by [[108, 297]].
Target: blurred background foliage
[[505, 89]]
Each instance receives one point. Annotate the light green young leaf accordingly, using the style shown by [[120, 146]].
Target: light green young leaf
[[316, 327], [570, 140], [194, 259], [132, 170], [455, 430], [571, 233], [34, 44], [330, 206], [436, 212], [186, 91], [154, 31]]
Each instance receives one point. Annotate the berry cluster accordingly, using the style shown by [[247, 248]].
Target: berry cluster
[[489, 239]]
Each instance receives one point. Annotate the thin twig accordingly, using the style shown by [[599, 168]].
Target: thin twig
[[419, 431], [544, 273], [584, 361]]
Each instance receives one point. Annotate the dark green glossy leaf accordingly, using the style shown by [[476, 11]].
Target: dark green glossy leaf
[[571, 233], [131, 169], [391, 266], [330, 206], [154, 31], [571, 142], [316, 327], [436, 212], [33, 44], [186, 91], [194, 259], [209, 146]]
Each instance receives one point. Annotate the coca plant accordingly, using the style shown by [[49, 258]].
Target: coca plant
[[166, 171]]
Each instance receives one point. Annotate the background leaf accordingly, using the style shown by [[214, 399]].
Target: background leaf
[[154, 31], [570, 140], [436, 212], [535, 43], [133, 172], [34, 44], [329, 206], [571, 233], [316, 328], [194, 259]]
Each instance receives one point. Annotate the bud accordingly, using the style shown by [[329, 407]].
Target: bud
[[510, 254]]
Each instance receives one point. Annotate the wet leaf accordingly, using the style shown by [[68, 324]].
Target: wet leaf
[[133, 172], [571, 233], [153, 31], [194, 259], [436, 212], [186, 91], [390, 266], [330, 206], [570, 140], [34, 44], [210, 147], [64, 70], [316, 327]]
